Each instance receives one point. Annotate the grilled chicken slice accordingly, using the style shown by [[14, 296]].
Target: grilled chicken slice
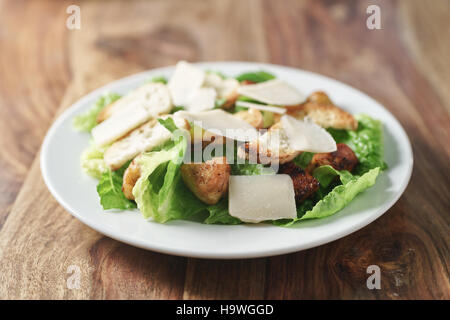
[[254, 117], [107, 112], [209, 180], [142, 139], [130, 176], [319, 108], [342, 159], [153, 95], [305, 185]]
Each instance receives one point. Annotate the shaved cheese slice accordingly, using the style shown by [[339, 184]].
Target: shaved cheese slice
[[144, 103], [224, 87], [304, 135], [202, 99], [260, 198], [142, 139], [186, 80], [276, 143], [274, 91], [220, 122], [263, 107]]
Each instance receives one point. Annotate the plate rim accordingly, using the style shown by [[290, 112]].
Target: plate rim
[[162, 248]]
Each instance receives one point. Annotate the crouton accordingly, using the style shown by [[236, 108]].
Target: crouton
[[305, 185], [323, 112], [342, 159], [252, 116]]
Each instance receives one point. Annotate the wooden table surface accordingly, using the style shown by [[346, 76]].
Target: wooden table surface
[[45, 67]]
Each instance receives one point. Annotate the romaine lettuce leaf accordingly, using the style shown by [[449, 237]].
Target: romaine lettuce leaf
[[341, 195], [163, 195], [366, 142], [219, 214], [247, 169], [303, 159], [336, 199], [176, 109], [109, 189], [86, 121], [326, 174], [257, 76], [160, 192], [92, 161], [158, 79]]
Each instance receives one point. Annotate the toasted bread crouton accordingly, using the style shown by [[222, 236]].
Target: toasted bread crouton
[[305, 185], [319, 97], [130, 176], [209, 180], [323, 112], [252, 116], [326, 116], [230, 97], [230, 100], [342, 159], [271, 147]]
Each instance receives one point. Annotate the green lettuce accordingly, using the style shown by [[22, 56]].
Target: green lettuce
[[337, 198], [110, 192], [92, 161], [158, 79], [257, 76], [86, 121], [367, 143], [303, 159], [176, 109], [247, 99], [341, 195], [160, 192], [219, 214], [247, 169], [326, 174], [334, 194]]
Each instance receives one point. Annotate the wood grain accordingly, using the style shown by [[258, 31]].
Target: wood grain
[[44, 67]]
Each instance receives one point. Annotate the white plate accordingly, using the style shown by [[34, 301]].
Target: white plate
[[76, 191]]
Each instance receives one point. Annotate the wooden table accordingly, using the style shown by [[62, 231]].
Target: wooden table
[[44, 67]]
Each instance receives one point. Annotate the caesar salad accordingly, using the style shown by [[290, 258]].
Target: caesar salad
[[217, 149]]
